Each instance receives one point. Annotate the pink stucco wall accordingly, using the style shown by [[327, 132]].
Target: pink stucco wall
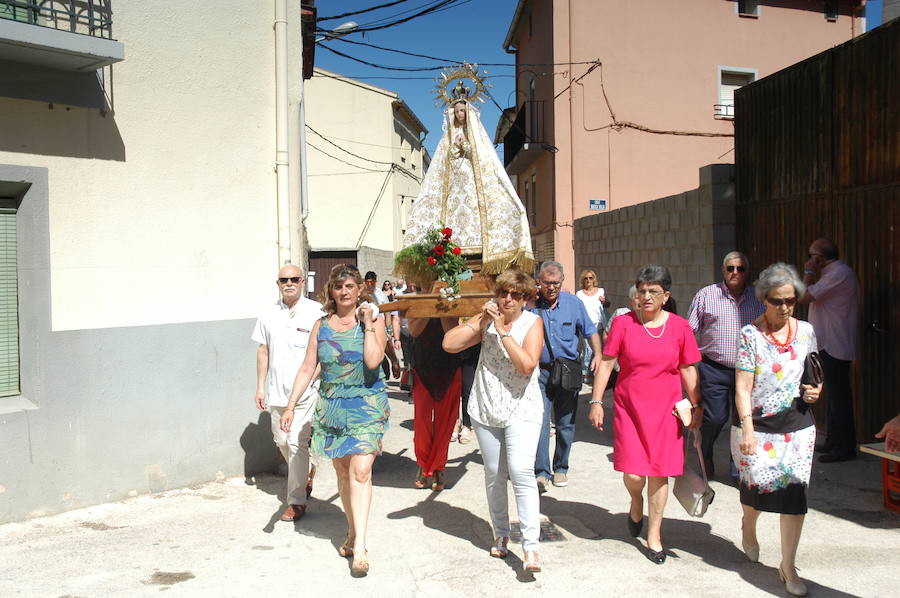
[[660, 69]]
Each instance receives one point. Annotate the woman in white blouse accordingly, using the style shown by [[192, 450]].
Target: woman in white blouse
[[594, 299], [506, 405]]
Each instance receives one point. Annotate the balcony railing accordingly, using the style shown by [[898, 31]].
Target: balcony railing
[[86, 17], [528, 128], [723, 111]]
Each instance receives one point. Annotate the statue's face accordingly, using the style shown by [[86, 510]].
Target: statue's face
[[459, 111]]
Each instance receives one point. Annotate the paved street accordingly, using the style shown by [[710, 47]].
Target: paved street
[[224, 538]]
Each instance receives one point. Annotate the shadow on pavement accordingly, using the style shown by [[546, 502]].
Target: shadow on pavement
[[592, 522], [459, 523], [850, 490]]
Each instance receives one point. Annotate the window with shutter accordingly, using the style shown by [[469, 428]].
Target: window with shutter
[[9, 302]]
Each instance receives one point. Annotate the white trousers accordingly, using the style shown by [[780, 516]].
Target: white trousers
[[509, 452], [294, 448]]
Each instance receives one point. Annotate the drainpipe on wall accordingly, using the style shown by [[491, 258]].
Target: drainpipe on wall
[[304, 196], [282, 155]]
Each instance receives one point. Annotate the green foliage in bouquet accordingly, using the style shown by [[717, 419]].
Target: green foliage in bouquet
[[435, 258]]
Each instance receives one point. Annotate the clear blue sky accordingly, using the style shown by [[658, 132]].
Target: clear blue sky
[[466, 30], [873, 13]]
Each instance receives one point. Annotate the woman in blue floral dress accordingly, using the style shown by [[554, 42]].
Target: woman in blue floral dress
[[773, 432], [352, 411]]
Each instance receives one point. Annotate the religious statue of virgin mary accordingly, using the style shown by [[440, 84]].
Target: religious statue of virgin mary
[[466, 187]]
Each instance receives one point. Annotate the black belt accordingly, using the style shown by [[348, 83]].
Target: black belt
[[546, 366]]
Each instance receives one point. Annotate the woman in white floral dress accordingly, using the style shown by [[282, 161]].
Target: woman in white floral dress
[[506, 407], [773, 433]]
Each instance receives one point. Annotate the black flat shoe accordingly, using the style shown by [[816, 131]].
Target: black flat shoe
[[635, 527], [835, 457], [657, 557]]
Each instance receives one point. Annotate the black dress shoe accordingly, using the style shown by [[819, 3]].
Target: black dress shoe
[[634, 527], [834, 457], [657, 557]]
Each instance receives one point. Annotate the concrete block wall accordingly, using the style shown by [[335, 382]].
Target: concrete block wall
[[379, 261], [689, 233]]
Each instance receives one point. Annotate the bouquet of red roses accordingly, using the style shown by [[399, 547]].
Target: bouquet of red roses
[[436, 257]]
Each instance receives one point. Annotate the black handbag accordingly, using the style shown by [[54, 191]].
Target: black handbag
[[565, 374], [812, 374], [812, 370]]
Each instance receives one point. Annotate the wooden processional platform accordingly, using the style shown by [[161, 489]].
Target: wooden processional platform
[[433, 305]]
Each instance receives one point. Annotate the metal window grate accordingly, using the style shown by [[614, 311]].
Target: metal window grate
[[86, 17]]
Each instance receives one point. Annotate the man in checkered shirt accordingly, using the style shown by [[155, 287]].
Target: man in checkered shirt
[[717, 314]]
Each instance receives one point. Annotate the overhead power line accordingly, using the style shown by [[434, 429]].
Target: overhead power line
[[356, 43], [433, 8], [389, 18], [359, 12], [447, 60], [332, 156], [346, 150], [382, 66]]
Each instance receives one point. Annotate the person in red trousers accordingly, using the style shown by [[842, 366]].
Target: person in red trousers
[[437, 385]]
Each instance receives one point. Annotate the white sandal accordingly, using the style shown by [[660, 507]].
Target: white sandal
[[532, 562]]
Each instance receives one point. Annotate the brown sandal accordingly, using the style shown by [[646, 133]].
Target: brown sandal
[[499, 548], [438, 483], [360, 567], [421, 480], [346, 549]]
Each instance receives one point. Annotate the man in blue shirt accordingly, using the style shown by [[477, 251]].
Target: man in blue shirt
[[565, 321]]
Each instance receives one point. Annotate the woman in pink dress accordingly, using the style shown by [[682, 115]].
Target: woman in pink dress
[[656, 351]]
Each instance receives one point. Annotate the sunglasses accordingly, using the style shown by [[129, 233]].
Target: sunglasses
[[738, 268], [790, 301], [294, 279], [515, 295]]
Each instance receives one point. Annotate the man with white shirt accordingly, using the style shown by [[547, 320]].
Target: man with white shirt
[[282, 332], [833, 292]]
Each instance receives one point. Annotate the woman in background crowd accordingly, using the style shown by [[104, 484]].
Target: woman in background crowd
[[387, 287], [352, 412], [656, 351], [594, 299], [773, 432], [506, 407]]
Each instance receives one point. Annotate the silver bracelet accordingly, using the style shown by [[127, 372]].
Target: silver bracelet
[[595, 402]]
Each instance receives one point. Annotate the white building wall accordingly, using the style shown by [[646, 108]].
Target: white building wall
[[179, 226], [354, 199], [147, 245]]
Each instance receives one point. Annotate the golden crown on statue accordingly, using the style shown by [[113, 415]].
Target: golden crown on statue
[[446, 95]]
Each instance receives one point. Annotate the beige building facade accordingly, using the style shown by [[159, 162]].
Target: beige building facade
[[639, 97], [145, 224], [365, 163]]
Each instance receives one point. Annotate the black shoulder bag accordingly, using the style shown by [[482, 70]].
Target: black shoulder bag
[[565, 374]]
